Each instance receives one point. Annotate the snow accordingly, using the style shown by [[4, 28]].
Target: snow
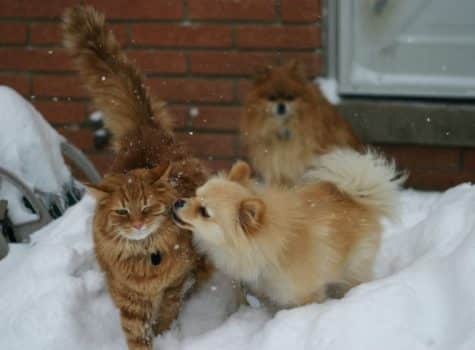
[[53, 295], [329, 88], [31, 150]]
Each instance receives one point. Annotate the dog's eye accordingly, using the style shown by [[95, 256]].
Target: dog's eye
[[272, 98], [289, 98], [203, 212], [122, 212]]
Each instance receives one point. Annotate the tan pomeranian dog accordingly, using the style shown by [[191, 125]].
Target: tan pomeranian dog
[[287, 122], [301, 245]]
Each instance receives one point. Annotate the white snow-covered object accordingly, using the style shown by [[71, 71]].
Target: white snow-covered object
[[53, 296], [30, 149]]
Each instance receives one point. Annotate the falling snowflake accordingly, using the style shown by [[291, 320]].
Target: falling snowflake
[[194, 112]]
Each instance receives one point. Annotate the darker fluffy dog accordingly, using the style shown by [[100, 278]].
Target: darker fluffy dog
[[287, 122]]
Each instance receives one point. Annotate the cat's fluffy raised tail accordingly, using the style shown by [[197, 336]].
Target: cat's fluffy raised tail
[[114, 82]]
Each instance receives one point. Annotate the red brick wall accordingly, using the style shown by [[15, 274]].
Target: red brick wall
[[196, 54]]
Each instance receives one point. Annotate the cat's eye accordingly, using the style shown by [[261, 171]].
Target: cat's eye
[[203, 212], [122, 212], [146, 209]]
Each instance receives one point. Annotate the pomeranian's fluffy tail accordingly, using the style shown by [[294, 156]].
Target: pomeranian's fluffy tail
[[114, 83], [369, 178]]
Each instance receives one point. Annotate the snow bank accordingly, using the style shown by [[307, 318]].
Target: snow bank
[[53, 296], [30, 148]]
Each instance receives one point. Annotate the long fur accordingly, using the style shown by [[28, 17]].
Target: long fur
[[143, 141], [282, 147], [114, 83], [369, 178], [294, 246]]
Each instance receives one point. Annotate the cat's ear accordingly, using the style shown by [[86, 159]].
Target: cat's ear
[[99, 192], [240, 172], [251, 215], [297, 69], [161, 172], [262, 74]]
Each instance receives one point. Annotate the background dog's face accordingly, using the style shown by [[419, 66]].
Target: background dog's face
[[280, 90], [224, 211]]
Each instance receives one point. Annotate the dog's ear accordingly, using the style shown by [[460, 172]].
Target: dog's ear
[[251, 215], [99, 192], [161, 172], [262, 74], [298, 70], [240, 172]]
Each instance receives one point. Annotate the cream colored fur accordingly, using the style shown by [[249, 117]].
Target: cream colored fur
[[295, 246]]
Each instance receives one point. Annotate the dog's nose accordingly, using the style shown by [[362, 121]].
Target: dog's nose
[[179, 203], [281, 108]]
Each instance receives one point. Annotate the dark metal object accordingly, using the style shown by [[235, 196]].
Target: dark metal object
[[23, 231]]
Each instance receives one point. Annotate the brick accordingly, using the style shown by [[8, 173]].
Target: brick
[[20, 83], [102, 161], [50, 33], [168, 35], [230, 63], [469, 159], [122, 9], [152, 61], [243, 89], [140, 9], [179, 115], [62, 112], [45, 33], [34, 59], [231, 10], [210, 145], [438, 180], [300, 10], [13, 33], [81, 138], [427, 158], [216, 118], [57, 86], [34, 9], [311, 60], [287, 37], [193, 90]]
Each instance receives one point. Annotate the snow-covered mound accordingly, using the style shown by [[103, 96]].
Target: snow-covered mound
[[30, 148], [53, 297]]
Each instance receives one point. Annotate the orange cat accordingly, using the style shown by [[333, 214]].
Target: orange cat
[[287, 122], [149, 263]]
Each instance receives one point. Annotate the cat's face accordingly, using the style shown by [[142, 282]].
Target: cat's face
[[135, 204]]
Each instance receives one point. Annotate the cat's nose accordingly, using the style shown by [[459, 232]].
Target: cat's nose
[[281, 108], [179, 203], [137, 225]]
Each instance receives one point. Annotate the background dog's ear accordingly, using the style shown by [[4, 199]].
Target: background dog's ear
[[262, 74], [161, 172], [251, 215], [298, 70], [99, 192], [240, 172]]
